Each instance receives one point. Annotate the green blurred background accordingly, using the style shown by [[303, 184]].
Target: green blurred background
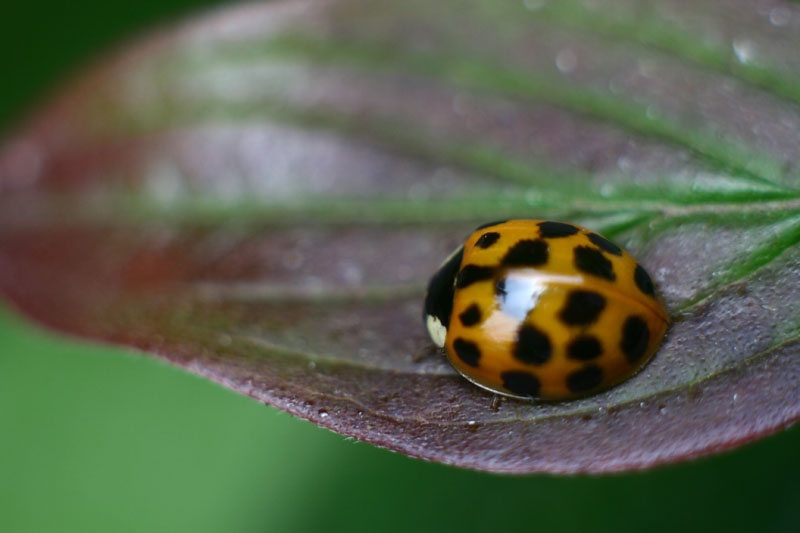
[[98, 439]]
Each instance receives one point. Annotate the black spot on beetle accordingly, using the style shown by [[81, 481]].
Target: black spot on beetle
[[527, 253], [635, 337], [500, 288], [584, 348], [582, 308], [472, 274], [643, 281], [487, 239], [522, 383], [604, 244], [467, 351], [471, 316], [489, 224], [593, 262], [585, 379], [551, 229], [533, 345]]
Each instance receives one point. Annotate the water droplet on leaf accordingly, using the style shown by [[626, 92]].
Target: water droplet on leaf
[[780, 16], [566, 61]]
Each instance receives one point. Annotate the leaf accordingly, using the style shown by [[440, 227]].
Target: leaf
[[260, 195]]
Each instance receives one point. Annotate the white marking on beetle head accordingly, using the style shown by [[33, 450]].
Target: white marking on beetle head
[[436, 330]]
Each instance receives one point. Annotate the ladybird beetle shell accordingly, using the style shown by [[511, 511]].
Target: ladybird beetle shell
[[543, 309]]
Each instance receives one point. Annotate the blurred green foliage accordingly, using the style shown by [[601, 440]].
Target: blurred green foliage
[[93, 438]]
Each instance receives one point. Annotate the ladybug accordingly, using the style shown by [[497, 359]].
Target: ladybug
[[537, 309]]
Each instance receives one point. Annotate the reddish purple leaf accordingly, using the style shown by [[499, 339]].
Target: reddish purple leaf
[[260, 196]]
